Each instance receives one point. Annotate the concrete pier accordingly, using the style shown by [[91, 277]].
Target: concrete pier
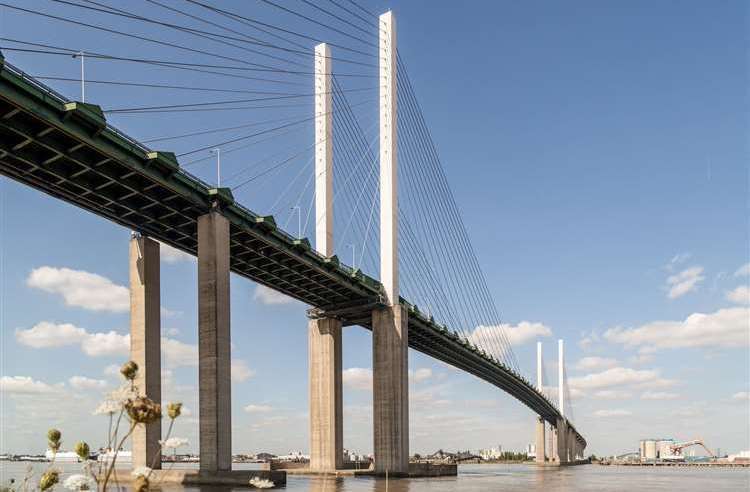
[[214, 366], [390, 364], [326, 395], [562, 435], [145, 341], [540, 454]]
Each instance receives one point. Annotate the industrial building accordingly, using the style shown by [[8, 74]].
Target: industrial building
[[656, 449]]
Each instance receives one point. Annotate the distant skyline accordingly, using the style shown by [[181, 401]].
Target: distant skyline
[[598, 152]]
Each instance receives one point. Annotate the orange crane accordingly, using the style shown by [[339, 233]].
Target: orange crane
[[677, 448]]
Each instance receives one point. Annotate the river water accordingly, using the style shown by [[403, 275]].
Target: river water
[[506, 478]]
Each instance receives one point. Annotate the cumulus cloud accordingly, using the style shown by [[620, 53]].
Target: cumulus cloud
[[25, 385], [168, 254], [659, 395], [258, 408], [357, 378], [240, 371], [516, 335], [612, 413], [102, 344], [45, 334], [619, 376], [677, 259], [592, 363], [420, 375], [741, 396], [83, 383], [81, 289], [725, 328], [743, 271], [266, 295], [684, 282], [177, 353], [740, 295]]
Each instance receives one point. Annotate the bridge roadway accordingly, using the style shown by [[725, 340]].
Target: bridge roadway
[[67, 150]]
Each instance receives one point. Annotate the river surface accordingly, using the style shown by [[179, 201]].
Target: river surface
[[506, 478]]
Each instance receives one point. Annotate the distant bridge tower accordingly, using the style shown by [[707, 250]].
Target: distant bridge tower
[[540, 425]]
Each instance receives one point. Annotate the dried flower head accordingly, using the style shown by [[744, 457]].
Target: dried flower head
[[79, 482], [140, 484], [129, 370], [142, 410], [174, 410], [261, 483], [82, 450], [49, 480], [108, 407], [53, 436]]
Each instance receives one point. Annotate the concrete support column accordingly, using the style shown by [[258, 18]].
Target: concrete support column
[[540, 455], [562, 434], [214, 366], [145, 341], [554, 456], [326, 402], [390, 367]]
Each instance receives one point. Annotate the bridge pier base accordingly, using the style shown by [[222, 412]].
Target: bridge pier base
[[214, 356], [326, 397], [562, 434], [145, 341], [540, 454], [390, 382]]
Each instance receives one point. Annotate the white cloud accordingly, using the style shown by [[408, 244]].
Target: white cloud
[[81, 289], [592, 363], [45, 334], [106, 344], [168, 313], [740, 295], [725, 328], [357, 378], [587, 340], [612, 413], [258, 408], [743, 271], [83, 383], [112, 370], [741, 396], [422, 374], [266, 295], [25, 385], [659, 395], [172, 331], [616, 376], [168, 254], [519, 334], [612, 395], [684, 282], [240, 371], [177, 353]]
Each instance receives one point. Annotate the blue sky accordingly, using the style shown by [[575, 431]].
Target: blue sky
[[597, 150]]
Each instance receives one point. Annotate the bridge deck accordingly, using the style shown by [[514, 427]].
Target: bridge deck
[[66, 149]]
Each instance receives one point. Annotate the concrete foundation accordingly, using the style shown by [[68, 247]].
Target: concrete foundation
[[326, 403], [540, 453], [562, 434], [214, 366], [145, 342], [390, 364]]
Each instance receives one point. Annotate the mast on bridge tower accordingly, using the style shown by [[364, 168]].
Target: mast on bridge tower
[[323, 151], [388, 160], [560, 376]]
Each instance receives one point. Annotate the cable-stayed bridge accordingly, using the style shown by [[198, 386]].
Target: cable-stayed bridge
[[422, 288]]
